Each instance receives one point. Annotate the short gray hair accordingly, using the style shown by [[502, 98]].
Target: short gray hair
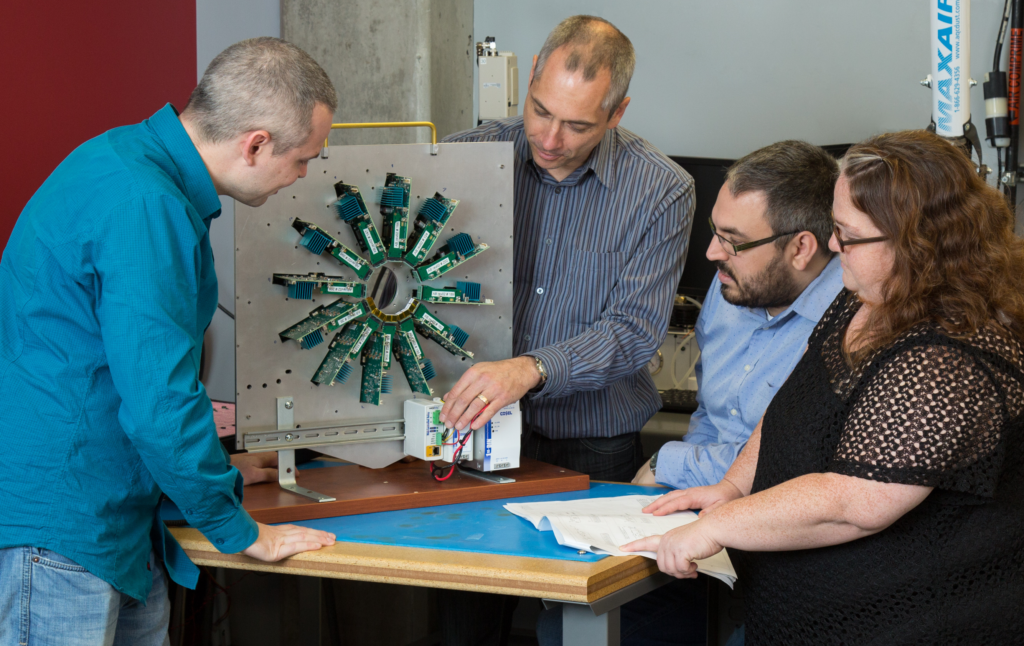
[[260, 84], [594, 44], [798, 180]]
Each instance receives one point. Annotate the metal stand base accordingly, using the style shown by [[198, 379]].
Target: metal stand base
[[597, 624], [286, 477], [286, 457], [489, 476], [581, 627]]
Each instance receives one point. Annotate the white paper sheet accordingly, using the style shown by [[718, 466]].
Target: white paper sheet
[[601, 525]]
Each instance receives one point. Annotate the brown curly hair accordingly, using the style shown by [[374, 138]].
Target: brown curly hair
[[957, 261]]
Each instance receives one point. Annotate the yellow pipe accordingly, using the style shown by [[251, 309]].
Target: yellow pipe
[[389, 124]]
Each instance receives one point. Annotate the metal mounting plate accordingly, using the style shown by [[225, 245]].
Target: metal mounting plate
[[479, 175]]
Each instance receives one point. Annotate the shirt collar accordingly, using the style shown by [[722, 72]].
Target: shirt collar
[[601, 160], [197, 185], [816, 297]]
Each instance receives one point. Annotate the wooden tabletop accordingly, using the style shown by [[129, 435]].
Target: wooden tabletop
[[358, 490], [520, 576]]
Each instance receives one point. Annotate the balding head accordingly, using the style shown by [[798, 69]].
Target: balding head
[[592, 44]]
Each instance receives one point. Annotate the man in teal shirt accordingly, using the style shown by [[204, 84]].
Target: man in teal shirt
[[107, 285]]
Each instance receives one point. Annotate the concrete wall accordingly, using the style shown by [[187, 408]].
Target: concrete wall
[[220, 23], [391, 60]]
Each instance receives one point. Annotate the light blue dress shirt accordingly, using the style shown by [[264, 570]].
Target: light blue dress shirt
[[107, 285], [744, 360]]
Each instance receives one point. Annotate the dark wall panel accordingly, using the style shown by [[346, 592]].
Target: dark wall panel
[[71, 70]]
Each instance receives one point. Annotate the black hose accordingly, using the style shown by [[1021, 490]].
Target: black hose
[[1001, 35], [1014, 68]]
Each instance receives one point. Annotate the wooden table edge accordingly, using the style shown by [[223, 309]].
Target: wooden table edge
[[516, 575]]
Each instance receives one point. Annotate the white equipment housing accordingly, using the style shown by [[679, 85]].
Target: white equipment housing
[[492, 448], [499, 86], [497, 443]]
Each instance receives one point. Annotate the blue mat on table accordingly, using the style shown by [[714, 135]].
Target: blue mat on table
[[479, 527]]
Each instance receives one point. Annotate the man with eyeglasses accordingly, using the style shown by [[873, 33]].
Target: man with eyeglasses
[[776, 277]]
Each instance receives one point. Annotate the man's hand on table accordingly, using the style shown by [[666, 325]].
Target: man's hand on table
[[498, 382], [644, 476], [256, 467], [281, 541]]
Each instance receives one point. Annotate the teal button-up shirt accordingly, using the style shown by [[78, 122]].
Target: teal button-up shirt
[[107, 285]]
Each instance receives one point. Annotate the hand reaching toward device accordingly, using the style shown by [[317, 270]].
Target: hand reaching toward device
[[486, 388]]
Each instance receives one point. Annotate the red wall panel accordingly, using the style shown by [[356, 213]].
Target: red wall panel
[[71, 70]]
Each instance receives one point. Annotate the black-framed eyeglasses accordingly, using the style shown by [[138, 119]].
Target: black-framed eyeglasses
[[733, 249], [843, 244]]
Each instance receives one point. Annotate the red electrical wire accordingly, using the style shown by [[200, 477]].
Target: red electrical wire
[[435, 470]]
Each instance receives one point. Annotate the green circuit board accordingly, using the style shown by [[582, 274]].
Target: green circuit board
[[429, 224], [410, 356], [447, 336], [352, 209], [317, 241], [319, 319], [447, 295], [375, 359], [337, 357], [445, 261], [394, 209], [303, 286]]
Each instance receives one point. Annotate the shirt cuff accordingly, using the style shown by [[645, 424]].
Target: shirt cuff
[[235, 534], [239, 531], [671, 470], [556, 364]]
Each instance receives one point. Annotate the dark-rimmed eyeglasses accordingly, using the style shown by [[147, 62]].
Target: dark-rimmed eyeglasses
[[843, 244], [733, 249]]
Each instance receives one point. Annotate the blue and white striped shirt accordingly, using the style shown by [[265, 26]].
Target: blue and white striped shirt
[[598, 258]]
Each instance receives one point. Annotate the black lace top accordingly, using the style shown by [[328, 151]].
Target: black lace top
[[929, 410]]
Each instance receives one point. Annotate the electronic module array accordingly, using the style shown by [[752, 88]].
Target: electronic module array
[[363, 332]]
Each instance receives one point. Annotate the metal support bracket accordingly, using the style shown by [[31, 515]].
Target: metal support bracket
[[488, 476], [597, 623], [286, 470]]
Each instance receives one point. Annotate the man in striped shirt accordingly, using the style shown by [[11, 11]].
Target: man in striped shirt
[[602, 223]]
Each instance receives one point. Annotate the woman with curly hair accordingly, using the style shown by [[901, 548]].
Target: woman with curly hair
[[881, 498]]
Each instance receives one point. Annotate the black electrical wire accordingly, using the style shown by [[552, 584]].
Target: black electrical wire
[[225, 310], [1013, 100], [999, 166], [439, 472], [1001, 35]]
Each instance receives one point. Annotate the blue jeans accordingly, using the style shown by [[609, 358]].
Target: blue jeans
[[49, 600]]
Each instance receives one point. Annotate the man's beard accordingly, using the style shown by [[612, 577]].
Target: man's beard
[[774, 286]]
